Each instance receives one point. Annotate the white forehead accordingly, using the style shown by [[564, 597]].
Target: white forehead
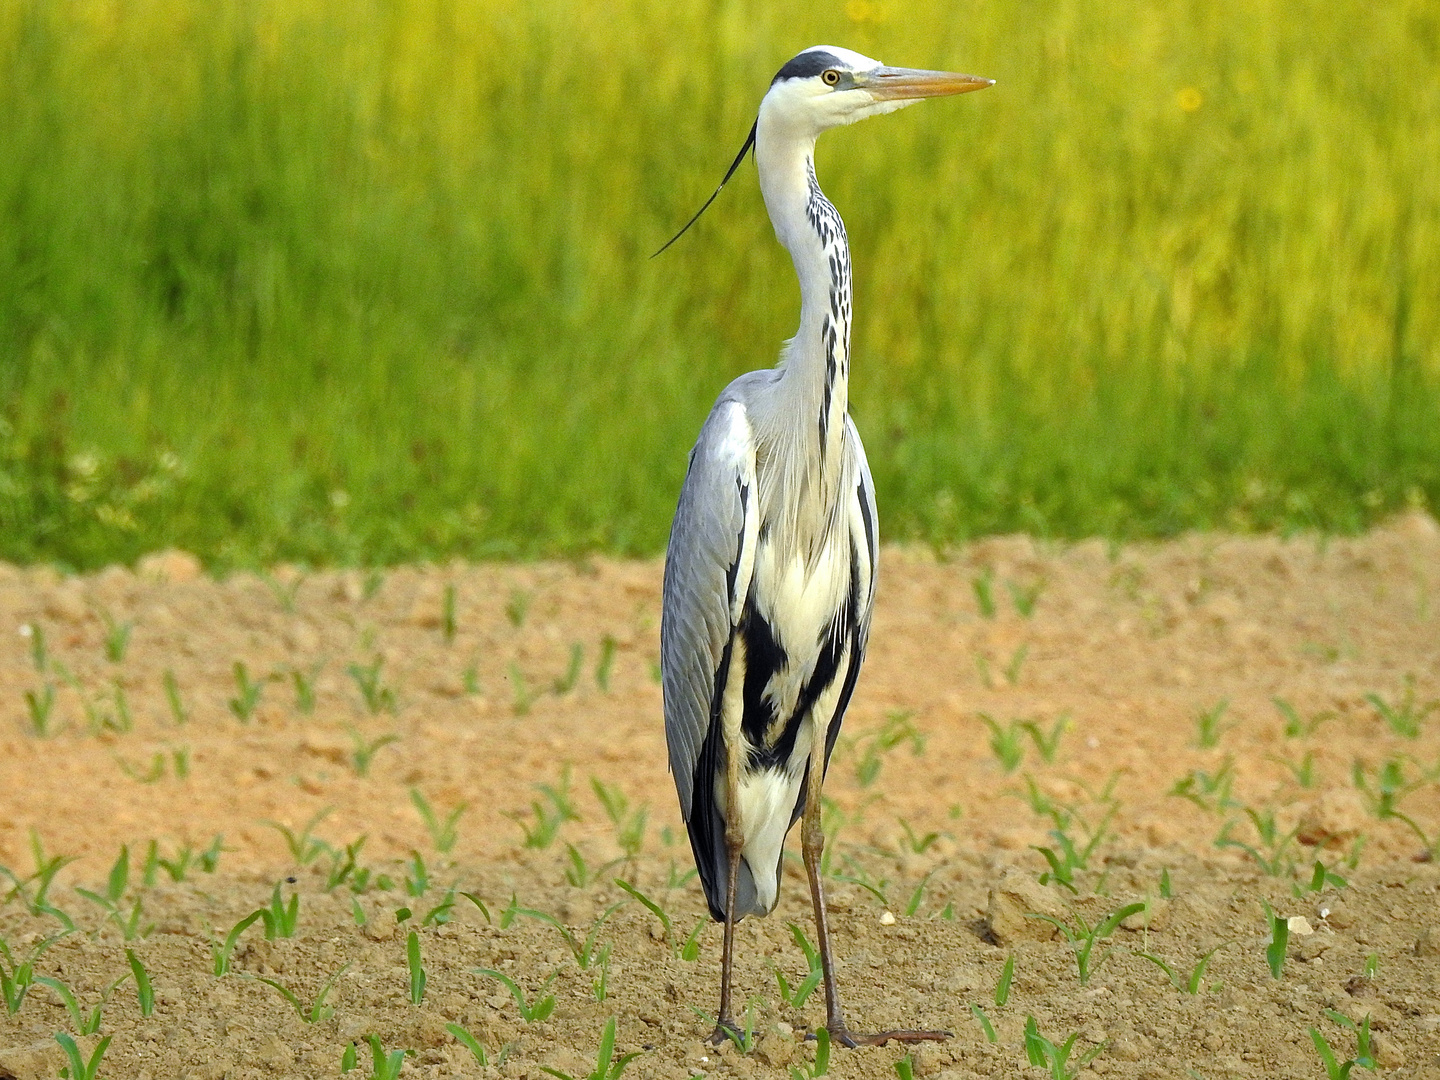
[[853, 60]]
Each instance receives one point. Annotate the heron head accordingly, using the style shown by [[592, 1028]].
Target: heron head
[[826, 86]]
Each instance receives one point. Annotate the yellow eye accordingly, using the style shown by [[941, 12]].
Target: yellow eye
[[831, 77]]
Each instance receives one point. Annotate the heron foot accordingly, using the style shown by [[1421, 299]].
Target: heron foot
[[845, 1037], [726, 1031]]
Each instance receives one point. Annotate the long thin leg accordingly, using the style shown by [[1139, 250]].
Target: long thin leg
[[812, 842], [734, 846]]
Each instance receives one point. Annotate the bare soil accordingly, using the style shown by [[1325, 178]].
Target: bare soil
[[936, 876]]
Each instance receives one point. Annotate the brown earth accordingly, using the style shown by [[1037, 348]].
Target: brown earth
[[1131, 645]]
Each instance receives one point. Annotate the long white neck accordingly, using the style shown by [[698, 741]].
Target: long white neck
[[816, 362]]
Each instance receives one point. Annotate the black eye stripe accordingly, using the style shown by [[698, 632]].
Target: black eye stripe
[[807, 65]]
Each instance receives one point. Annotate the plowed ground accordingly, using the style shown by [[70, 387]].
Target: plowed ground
[[1274, 695]]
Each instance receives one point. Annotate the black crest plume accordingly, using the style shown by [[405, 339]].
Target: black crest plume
[[749, 142]]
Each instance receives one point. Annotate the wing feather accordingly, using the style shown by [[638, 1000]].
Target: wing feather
[[708, 566]]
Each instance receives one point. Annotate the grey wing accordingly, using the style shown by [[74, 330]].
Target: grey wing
[[708, 566], [866, 526]]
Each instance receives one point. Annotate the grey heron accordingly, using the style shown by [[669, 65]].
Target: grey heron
[[770, 569]]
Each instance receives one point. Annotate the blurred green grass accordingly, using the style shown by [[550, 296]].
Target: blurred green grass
[[337, 281]]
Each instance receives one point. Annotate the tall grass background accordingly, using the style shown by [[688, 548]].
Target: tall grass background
[[364, 281]]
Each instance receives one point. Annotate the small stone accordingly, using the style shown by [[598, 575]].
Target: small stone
[[887, 918], [1388, 1053], [1299, 926], [274, 1052], [1428, 943], [1014, 899], [1311, 947], [776, 1051]]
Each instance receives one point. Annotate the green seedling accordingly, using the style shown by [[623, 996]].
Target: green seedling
[[377, 696], [304, 684], [117, 637], [178, 713], [983, 585], [1005, 742], [39, 706], [743, 1038], [1017, 661], [35, 634], [1302, 771], [583, 950], [985, 1024], [281, 919], [1296, 726], [1372, 965], [1208, 728], [304, 847], [178, 760], [1066, 857], [384, 1066], [1364, 1056], [1209, 793], [578, 872], [470, 680], [363, 751], [372, 583], [37, 902], [85, 1023], [524, 696], [285, 592], [629, 827], [1271, 850], [654, 909], [209, 859], [605, 1067], [443, 833], [417, 882], [899, 727], [317, 1010], [1002, 987], [690, 951], [14, 986], [1167, 890], [1407, 717], [905, 1068], [116, 883], [605, 666], [1047, 744], [447, 613], [556, 809], [796, 997], [247, 694], [531, 1014], [1195, 979], [599, 985], [913, 904], [1321, 879], [918, 843], [1044, 1053], [1025, 596], [347, 1059], [821, 1065], [1386, 790], [79, 1068], [220, 951], [1083, 936], [566, 682], [345, 866], [418, 978], [144, 991], [477, 1051], [517, 607], [1279, 939]]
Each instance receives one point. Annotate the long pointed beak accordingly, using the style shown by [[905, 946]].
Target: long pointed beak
[[912, 84]]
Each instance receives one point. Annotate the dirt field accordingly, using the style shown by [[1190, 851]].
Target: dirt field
[[1279, 696]]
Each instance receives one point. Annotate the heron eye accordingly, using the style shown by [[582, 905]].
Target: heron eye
[[831, 77]]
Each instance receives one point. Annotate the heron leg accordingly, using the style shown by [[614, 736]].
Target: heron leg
[[734, 844], [812, 843]]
